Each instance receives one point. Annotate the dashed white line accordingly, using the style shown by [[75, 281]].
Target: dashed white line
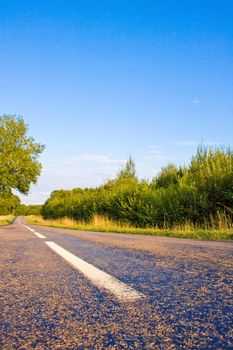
[[39, 235], [33, 231], [97, 276]]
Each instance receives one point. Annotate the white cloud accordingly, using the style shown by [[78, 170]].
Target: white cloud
[[212, 143], [35, 196], [155, 147], [196, 101], [195, 143], [147, 171], [90, 170], [82, 171], [98, 159], [154, 155], [187, 143]]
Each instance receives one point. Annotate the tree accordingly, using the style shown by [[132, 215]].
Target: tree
[[8, 202], [169, 175], [19, 166], [211, 174], [128, 171]]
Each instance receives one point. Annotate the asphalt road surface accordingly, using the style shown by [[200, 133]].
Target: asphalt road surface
[[63, 289]]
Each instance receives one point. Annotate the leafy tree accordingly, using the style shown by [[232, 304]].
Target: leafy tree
[[211, 174], [19, 166], [8, 202], [169, 175], [177, 196], [128, 171], [32, 209]]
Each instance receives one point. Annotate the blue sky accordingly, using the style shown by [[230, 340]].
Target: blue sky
[[99, 80]]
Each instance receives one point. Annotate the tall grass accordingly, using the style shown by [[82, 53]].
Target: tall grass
[[220, 229], [6, 219]]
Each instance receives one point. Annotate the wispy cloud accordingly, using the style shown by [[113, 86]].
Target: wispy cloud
[[196, 101], [155, 147], [187, 143], [81, 171], [35, 197], [96, 158], [195, 143], [154, 155], [87, 168], [91, 170]]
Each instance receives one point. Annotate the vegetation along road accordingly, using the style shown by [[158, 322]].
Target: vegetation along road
[[124, 292]]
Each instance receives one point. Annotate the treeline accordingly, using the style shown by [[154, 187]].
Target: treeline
[[31, 209], [199, 194], [10, 204]]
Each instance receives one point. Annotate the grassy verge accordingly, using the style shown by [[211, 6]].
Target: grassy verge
[[6, 219], [101, 224]]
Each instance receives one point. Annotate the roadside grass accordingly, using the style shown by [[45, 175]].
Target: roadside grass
[[103, 224], [6, 219]]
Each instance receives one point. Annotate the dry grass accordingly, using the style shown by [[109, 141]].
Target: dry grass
[[6, 219], [221, 230]]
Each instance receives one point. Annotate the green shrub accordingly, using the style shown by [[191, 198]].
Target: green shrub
[[198, 195]]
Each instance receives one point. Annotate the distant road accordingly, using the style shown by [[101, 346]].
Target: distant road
[[65, 289]]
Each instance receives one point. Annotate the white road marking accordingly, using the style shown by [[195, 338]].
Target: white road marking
[[98, 277], [39, 235], [33, 231]]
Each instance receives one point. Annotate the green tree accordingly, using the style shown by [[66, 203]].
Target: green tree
[[194, 195], [211, 174], [128, 171], [19, 166], [169, 175], [8, 202]]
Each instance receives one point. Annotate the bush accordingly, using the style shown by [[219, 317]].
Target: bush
[[196, 194]]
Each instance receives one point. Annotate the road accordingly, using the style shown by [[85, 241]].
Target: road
[[64, 289]]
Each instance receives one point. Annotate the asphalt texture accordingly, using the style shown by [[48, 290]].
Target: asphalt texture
[[47, 304]]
